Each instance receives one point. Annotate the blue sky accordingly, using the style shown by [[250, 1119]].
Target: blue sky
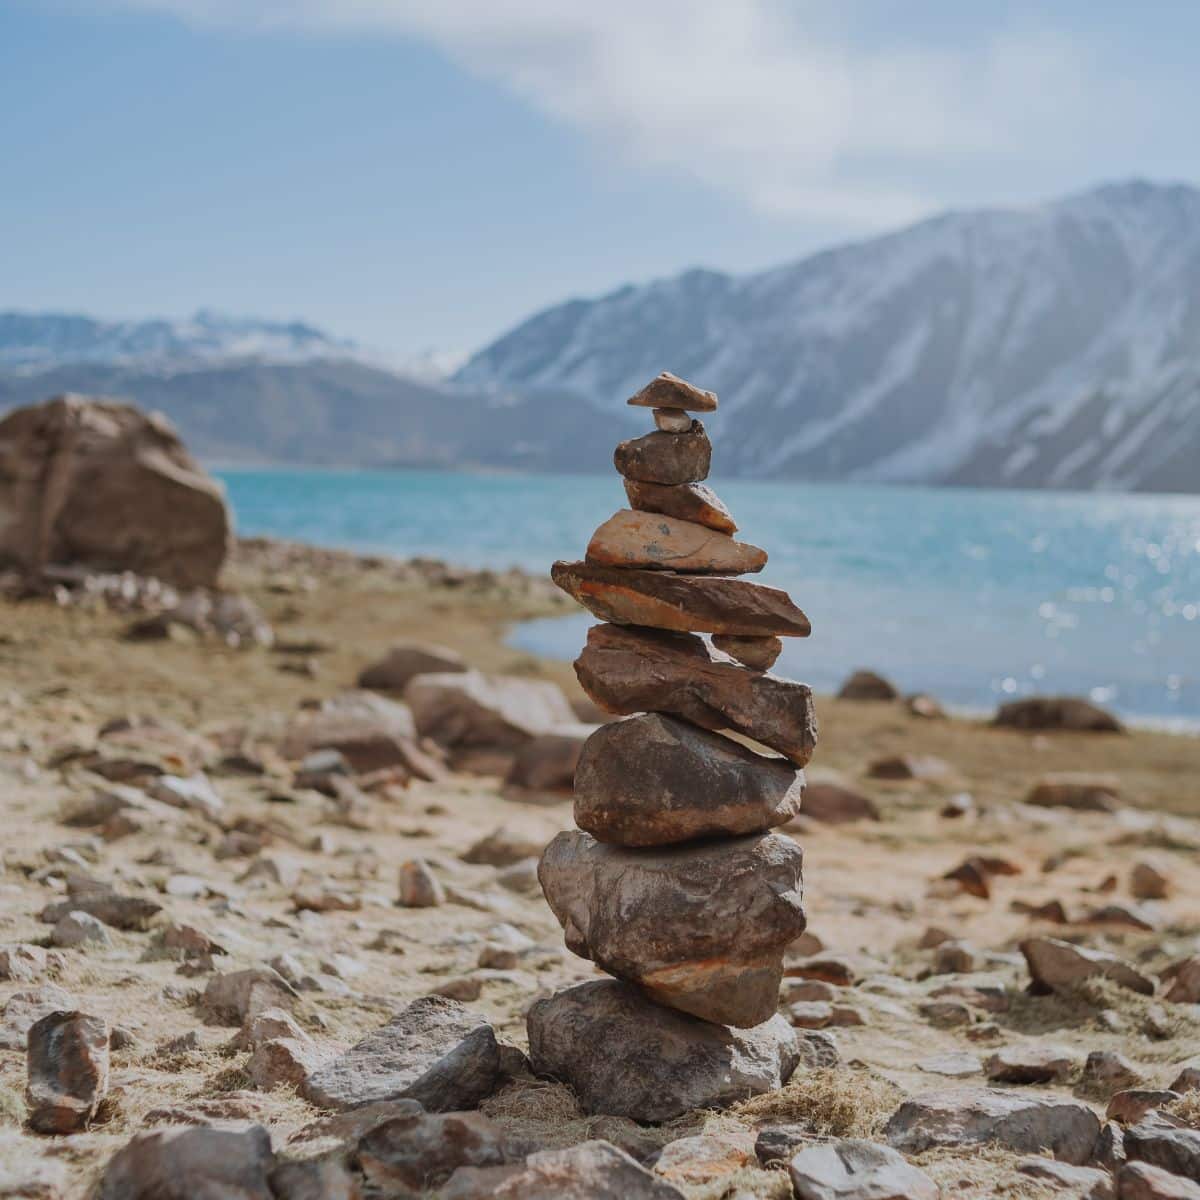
[[425, 173]]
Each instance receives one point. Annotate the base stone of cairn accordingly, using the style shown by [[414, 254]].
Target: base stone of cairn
[[674, 883]]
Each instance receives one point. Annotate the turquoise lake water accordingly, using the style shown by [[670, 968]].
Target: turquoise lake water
[[974, 596]]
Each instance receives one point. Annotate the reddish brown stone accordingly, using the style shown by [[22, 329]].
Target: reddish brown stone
[[667, 458], [68, 1071], [669, 391], [757, 652], [687, 501], [685, 603], [655, 541], [628, 670]]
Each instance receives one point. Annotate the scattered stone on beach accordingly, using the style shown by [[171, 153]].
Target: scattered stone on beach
[[910, 766], [1107, 1071], [1176, 1150], [831, 799], [547, 762], [419, 886], [627, 670], [695, 502], [1035, 1062], [925, 706], [652, 780], [1183, 979], [855, 1169], [1081, 790], [658, 1063], [758, 653], [666, 458], [115, 910], [468, 709], [596, 1170], [68, 1071], [435, 1051], [234, 997], [190, 1162], [976, 1116], [22, 963], [412, 1153], [701, 927], [1132, 1105], [77, 929], [1069, 713], [1055, 964], [504, 847], [684, 603], [1149, 881], [193, 793], [653, 541], [1083, 1183], [405, 661], [96, 483], [22, 1010], [669, 391], [867, 685], [1141, 1181]]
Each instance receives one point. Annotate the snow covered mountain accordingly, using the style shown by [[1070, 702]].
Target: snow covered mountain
[[1056, 346], [31, 342]]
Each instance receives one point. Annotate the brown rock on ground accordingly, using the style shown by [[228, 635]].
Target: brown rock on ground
[[627, 670], [669, 391], [405, 661], [104, 485], [1057, 964], [867, 685], [1082, 790], [654, 541], [652, 780], [68, 1071], [701, 927], [1057, 712], [547, 763], [666, 458], [688, 501], [684, 603], [1141, 1181]]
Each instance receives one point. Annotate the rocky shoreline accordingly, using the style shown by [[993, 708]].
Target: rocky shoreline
[[288, 910]]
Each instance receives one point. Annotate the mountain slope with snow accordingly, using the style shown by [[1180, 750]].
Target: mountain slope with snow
[[1056, 346]]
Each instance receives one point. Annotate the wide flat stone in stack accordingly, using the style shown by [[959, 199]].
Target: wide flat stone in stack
[[674, 881]]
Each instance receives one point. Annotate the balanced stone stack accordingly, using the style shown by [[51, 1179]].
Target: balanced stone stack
[[673, 882]]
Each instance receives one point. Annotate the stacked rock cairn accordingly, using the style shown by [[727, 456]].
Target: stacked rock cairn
[[674, 882]]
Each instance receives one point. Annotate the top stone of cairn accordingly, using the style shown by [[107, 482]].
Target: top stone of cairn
[[669, 391]]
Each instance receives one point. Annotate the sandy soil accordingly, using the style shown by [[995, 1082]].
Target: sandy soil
[[872, 888]]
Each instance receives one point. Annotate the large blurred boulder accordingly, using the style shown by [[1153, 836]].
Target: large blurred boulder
[[104, 485], [1057, 712]]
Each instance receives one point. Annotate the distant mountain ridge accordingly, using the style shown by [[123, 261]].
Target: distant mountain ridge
[[1051, 346], [1055, 346]]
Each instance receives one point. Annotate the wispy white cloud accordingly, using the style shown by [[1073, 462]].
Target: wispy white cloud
[[772, 101]]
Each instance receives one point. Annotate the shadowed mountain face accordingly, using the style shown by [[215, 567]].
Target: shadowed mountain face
[[1051, 347], [1056, 346]]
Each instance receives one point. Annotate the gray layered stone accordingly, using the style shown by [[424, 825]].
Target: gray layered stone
[[1026, 1124], [631, 670], [589, 1171], [624, 1055], [702, 928], [666, 458], [436, 1051], [652, 780], [854, 1169]]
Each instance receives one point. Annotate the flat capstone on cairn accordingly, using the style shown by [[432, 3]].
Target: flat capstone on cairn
[[674, 883]]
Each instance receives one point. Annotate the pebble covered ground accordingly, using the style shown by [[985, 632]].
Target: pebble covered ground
[[910, 980]]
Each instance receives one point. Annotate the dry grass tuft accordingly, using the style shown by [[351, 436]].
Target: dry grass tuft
[[981, 1173], [533, 1100], [12, 1107], [838, 1101], [748, 1183], [1186, 1109]]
